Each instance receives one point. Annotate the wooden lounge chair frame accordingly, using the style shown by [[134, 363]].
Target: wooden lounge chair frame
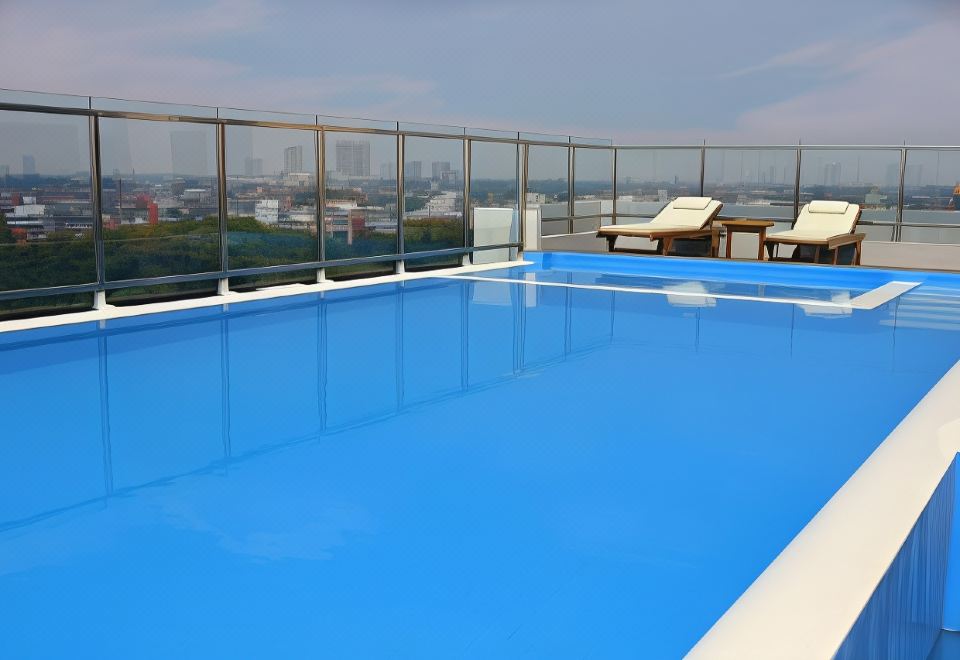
[[831, 243], [664, 236]]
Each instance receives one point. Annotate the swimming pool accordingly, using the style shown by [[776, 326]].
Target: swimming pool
[[495, 466]]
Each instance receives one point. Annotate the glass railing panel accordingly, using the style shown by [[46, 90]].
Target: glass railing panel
[[433, 194], [494, 193], [264, 116], [547, 187], [153, 108], [360, 217], [592, 187], [44, 99], [931, 196], [597, 142], [356, 123], [545, 137], [492, 133], [648, 178], [46, 211], [554, 218], [877, 232], [159, 198], [752, 183], [945, 235], [271, 198], [439, 129], [868, 177]]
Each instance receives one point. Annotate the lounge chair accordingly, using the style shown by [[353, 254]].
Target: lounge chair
[[821, 224], [689, 218]]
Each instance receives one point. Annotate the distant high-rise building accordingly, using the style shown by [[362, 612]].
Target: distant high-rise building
[[4, 171], [353, 157], [413, 169], [831, 174], [188, 150], [388, 170], [438, 168], [29, 165], [253, 167], [293, 159]]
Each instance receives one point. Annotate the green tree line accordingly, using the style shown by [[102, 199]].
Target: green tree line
[[193, 246]]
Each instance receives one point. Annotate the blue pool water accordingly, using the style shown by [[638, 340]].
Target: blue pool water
[[443, 468]]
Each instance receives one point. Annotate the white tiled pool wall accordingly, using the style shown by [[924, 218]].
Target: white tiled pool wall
[[906, 612]]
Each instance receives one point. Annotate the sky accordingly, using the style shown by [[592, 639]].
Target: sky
[[682, 71]]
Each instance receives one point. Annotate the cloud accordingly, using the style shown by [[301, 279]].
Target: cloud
[[847, 86], [155, 58], [903, 89], [821, 53], [899, 90]]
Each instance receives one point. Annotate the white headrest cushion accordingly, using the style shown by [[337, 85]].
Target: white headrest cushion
[[822, 206], [692, 203]]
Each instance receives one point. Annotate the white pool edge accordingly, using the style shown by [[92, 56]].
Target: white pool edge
[[806, 602], [114, 312]]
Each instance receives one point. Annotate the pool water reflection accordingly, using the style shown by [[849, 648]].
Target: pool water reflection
[[432, 468]]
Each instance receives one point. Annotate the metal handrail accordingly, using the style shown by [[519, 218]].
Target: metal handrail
[[324, 124]]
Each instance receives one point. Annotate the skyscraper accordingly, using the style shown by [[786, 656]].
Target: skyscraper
[[29, 165], [353, 157], [439, 168], [188, 150], [253, 167], [831, 174], [388, 170], [413, 169], [293, 159]]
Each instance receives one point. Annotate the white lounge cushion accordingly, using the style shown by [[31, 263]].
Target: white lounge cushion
[[821, 225], [824, 206], [691, 203], [685, 217]]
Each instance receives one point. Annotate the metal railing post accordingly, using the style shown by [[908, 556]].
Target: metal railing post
[[524, 154], [321, 142], [898, 228], [613, 213], [96, 210], [571, 175], [399, 265], [223, 286], [703, 164], [796, 186], [95, 115], [467, 220]]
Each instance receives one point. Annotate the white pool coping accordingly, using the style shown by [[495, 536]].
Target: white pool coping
[[868, 300], [806, 602], [114, 312]]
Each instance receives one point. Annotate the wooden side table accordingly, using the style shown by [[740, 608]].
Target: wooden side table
[[746, 226]]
